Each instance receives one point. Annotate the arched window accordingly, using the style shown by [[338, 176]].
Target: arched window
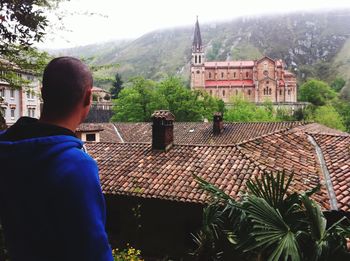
[[246, 74], [222, 75], [249, 92], [200, 59], [270, 91], [264, 91], [209, 75], [195, 59]]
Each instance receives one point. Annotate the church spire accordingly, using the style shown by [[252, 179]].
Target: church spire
[[197, 39]]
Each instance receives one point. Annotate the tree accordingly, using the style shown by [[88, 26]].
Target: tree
[[338, 84], [185, 104], [22, 24], [316, 92], [343, 108], [328, 116], [138, 102], [117, 86], [245, 111], [270, 223]]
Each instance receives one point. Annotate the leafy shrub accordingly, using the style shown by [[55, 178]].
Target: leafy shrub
[[127, 254]]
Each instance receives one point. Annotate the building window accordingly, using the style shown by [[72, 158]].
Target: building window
[[209, 75], [12, 113], [200, 59], [222, 75], [198, 72], [12, 94], [195, 59], [270, 91], [234, 75], [267, 82], [223, 93], [2, 92], [249, 92], [288, 92], [91, 137], [246, 74], [281, 92]]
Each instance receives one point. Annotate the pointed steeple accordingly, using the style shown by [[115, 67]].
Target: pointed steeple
[[197, 38]]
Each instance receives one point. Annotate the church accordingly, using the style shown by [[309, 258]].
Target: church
[[256, 80]]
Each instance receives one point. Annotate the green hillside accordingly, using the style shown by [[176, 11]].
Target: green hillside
[[311, 44]]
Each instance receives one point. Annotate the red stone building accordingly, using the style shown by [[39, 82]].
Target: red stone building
[[257, 81]]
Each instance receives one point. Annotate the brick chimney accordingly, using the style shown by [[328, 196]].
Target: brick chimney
[[218, 124], [162, 130]]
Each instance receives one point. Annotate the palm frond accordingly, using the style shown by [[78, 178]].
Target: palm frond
[[271, 231], [272, 188]]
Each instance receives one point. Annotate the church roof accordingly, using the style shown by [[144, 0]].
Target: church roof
[[229, 64], [197, 38]]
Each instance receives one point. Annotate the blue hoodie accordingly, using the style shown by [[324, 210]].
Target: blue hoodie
[[51, 204]]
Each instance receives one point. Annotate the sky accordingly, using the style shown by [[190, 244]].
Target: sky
[[94, 21]]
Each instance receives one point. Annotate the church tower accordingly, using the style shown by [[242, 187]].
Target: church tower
[[197, 62]]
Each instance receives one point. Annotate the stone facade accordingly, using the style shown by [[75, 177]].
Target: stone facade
[[257, 80]]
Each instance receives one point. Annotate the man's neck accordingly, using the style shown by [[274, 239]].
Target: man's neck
[[68, 123]]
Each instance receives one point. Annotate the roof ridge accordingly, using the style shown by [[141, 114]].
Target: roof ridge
[[343, 134], [267, 134]]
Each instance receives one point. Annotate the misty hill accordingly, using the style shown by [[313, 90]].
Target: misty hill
[[311, 44]]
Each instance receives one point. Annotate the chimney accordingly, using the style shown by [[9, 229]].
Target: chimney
[[218, 125], [162, 130]]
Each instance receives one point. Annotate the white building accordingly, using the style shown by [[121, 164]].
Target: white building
[[15, 103]]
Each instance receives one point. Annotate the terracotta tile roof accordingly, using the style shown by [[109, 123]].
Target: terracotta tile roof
[[211, 83], [291, 152], [336, 152], [202, 132], [229, 64], [316, 128], [136, 170], [107, 131], [86, 127]]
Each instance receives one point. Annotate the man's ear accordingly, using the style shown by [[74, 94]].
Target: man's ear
[[88, 97]]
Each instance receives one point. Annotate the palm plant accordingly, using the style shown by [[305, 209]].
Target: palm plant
[[272, 223]]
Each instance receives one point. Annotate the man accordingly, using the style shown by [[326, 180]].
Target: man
[[51, 204]]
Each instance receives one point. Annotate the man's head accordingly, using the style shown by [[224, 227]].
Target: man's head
[[66, 90]]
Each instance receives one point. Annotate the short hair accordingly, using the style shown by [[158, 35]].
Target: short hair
[[65, 80]]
